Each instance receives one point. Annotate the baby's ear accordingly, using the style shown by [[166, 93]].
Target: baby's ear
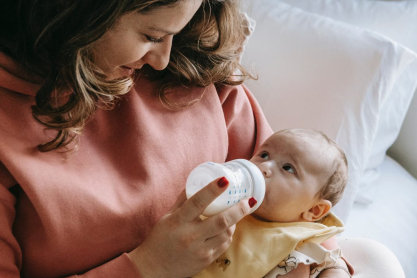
[[317, 211]]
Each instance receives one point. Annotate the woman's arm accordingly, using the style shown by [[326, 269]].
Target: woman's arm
[[11, 254], [180, 245]]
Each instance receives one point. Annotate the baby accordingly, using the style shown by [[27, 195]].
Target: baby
[[305, 175]]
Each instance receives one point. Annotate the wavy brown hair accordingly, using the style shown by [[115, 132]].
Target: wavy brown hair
[[54, 40]]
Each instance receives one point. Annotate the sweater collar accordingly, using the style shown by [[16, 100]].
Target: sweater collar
[[15, 78]]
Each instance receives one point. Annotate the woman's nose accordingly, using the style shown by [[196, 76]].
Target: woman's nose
[[158, 56]]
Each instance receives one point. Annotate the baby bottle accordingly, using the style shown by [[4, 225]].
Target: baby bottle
[[245, 181]]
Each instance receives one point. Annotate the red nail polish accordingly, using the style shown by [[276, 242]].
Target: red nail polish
[[252, 202], [223, 182]]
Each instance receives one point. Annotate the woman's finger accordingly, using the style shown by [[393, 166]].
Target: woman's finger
[[217, 224], [223, 237], [182, 197], [196, 204], [221, 248]]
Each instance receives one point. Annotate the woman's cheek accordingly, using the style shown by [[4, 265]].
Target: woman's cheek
[[133, 55]]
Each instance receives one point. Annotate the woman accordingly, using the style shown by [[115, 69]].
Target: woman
[[105, 107]]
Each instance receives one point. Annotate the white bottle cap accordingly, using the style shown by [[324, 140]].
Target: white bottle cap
[[245, 181]]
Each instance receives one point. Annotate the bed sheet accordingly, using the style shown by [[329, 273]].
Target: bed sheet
[[392, 216]]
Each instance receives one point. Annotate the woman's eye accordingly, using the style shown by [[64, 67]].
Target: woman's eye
[[288, 168], [264, 155], [154, 40]]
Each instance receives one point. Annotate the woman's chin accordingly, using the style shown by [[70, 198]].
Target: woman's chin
[[120, 73]]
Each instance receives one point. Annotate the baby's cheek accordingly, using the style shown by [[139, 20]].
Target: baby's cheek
[[260, 212], [266, 211]]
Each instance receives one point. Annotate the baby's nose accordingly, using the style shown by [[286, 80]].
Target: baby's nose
[[266, 171]]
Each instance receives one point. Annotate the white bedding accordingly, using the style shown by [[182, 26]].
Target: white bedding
[[392, 217], [328, 74]]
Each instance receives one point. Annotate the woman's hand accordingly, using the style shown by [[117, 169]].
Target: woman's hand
[[181, 244]]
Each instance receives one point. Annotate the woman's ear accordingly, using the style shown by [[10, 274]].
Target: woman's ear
[[317, 211]]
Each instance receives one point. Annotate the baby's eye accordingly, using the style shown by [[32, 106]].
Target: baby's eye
[[264, 155], [288, 168]]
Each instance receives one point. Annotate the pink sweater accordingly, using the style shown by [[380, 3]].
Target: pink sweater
[[79, 216]]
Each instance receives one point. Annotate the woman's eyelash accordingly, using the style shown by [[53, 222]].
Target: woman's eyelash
[[154, 40]]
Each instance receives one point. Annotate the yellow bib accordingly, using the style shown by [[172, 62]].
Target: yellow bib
[[259, 246]]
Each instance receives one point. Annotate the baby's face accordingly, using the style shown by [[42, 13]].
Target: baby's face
[[294, 168]]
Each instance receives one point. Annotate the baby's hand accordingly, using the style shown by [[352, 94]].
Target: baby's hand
[[334, 273], [338, 271]]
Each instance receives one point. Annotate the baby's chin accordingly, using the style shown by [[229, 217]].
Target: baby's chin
[[260, 215], [263, 213], [256, 216]]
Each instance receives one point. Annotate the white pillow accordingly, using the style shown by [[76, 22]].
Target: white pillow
[[397, 21], [321, 74]]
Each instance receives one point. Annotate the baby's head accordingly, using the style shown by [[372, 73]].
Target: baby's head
[[305, 174]]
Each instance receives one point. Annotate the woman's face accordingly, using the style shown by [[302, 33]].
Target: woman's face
[[142, 38]]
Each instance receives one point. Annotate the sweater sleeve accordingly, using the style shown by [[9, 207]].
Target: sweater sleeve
[[10, 253], [246, 124], [121, 266]]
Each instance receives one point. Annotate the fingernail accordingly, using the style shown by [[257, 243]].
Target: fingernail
[[252, 202], [223, 182]]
